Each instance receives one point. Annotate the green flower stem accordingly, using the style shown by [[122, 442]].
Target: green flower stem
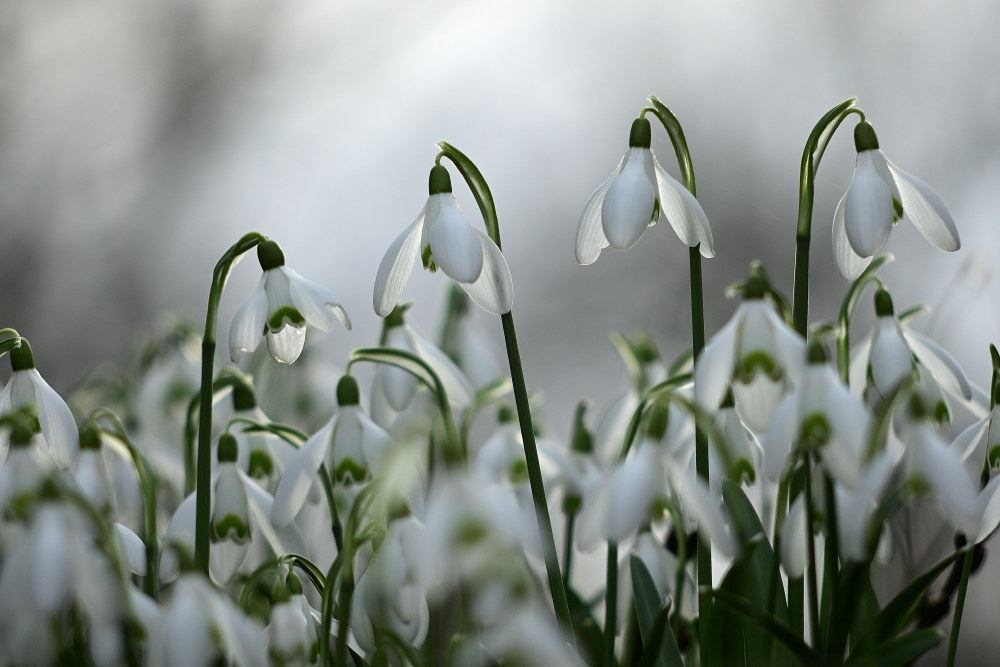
[[568, 548], [611, 604], [147, 484], [847, 308], [683, 154], [811, 573], [204, 457], [11, 342], [956, 622], [484, 198], [831, 563]]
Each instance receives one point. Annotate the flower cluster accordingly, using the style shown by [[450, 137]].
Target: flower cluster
[[396, 510]]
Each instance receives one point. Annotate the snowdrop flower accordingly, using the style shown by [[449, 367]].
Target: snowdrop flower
[[636, 194], [856, 507], [398, 386], [576, 471], [292, 634], [442, 237], [24, 471], [390, 593], [662, 568], [202, 627], [262, 455], [280, 308], [350, 444], [91, 472], [880, 194], [26, 388], [501, 457], [756, 354], [822, 415], [744, 449]]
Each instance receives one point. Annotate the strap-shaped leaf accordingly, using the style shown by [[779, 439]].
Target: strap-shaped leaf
[[659, 644], [902, 650], [778, 630], [588, 632]]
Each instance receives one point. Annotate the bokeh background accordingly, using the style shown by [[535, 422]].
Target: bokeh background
[[138, 140]]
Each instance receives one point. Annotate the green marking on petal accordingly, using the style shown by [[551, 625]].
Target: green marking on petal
[[261, 465], [758, 361], [815, 431], [285, 315], [470, 532], [428, 260], [230, 527], [897, 210], [349, 471], [518, 473]]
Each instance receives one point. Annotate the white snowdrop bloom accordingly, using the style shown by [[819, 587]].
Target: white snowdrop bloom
[[351, 445], [202, 627], [744, 450], [662, 568], [263, 456], [22, 474], [91, 472], [822, 415], [703, 508], [280, 308], [575, 468], [856, 507], [793, 539], [443, 237], [477, 356], [501, 457], [880, 194], [755, 354], [633, 198], [529, 637], [399, 386], [890, 361], [292, 634], [390, 593], [27, 389]]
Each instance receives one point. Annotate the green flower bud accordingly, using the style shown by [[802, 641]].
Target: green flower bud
[[883, 304], [816, 353], [864, 137], [581, 440], [90, 438], [348, 392], [21, 358], [641, 135], [228, 448], [269, 255], [439, 180]]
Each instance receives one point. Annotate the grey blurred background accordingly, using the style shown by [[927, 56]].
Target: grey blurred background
[[138, 140]]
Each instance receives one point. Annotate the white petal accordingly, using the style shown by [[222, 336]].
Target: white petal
[[493, 290], [456, 385], [780, 436], [683, 211], [868, 211], [850, 423], [316, 303], [849, 263], [56, 420], [590, 239], [890, 358], [989, 501], [230, 500], [179, 535], [628, 206], [396, 266], [398, 385], [943, 470], [132, 549], [286, 344], [293, 488], [757, 400], [924, 208], [714, 368], [51, 570], [793, 539], [248, 323], [939, 362], [966, 442], [698, 503], [454, 243], [855, 507]]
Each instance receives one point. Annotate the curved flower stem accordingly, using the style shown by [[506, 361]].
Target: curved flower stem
[[676, 134], [11, 342], [147, 483], [204, 458], [847, 313], [484, 198]]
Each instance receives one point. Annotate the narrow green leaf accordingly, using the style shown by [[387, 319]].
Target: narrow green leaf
[[900, 651], [659, 644], [775, 628], [588, 633]]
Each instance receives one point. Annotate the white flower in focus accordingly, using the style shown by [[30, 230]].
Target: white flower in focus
[[755, 354], [880, 194], [27, 389], [280, 308], [442, 237], [636, 194]]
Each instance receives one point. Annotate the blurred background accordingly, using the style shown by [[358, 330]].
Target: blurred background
[[138, 140]]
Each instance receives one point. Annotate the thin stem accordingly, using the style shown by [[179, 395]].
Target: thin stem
[[204, 458], [847, 308], [611, 604], [568, 548], [811, 553], [831, 557], [956, 622]]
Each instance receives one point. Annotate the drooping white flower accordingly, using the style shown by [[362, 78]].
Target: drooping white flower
[[350, 444], [880, 194], [856, 507], [662, 568], [27, 389], [823, 414], [633, 198], [442, 237], [262, 455], [280, 308], [292, 634], [24, 470], [91, 472], [756, 355]]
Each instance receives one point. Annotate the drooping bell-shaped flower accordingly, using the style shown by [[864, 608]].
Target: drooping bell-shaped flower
[[280, 308], [442, 237], [820, 415], [633, 198], [351, 445], [24, 470], [261, 455], [756, 355], [880, 194], [91, 472], [229, 526], [27, 389], [291, 636]]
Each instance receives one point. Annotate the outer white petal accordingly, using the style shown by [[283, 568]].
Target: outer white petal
[[52, 568], [757, 401], [788, 346], [939, 362], [179, 535], [849, 422], [855, 507], [989, 501], [396, 266], [683, 211], [247, 326], [293, 489], [92, 478], [868, 211], [316, 303], [699, 504], [132, 548], [781, 434], [590, 239], [399, 385], [456, 385], [628, 205], [858, 368], [890, 359], [714, 368], [924, 208], [942, 469], [793, 539], [493, 290], [968, 440], [286, 344], [849, 263], [455, 246], [56, 419]]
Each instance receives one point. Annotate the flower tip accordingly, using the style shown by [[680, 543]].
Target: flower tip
[[865, 138], [883, 304], [269, 255], [640, 135], [439, 180]]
